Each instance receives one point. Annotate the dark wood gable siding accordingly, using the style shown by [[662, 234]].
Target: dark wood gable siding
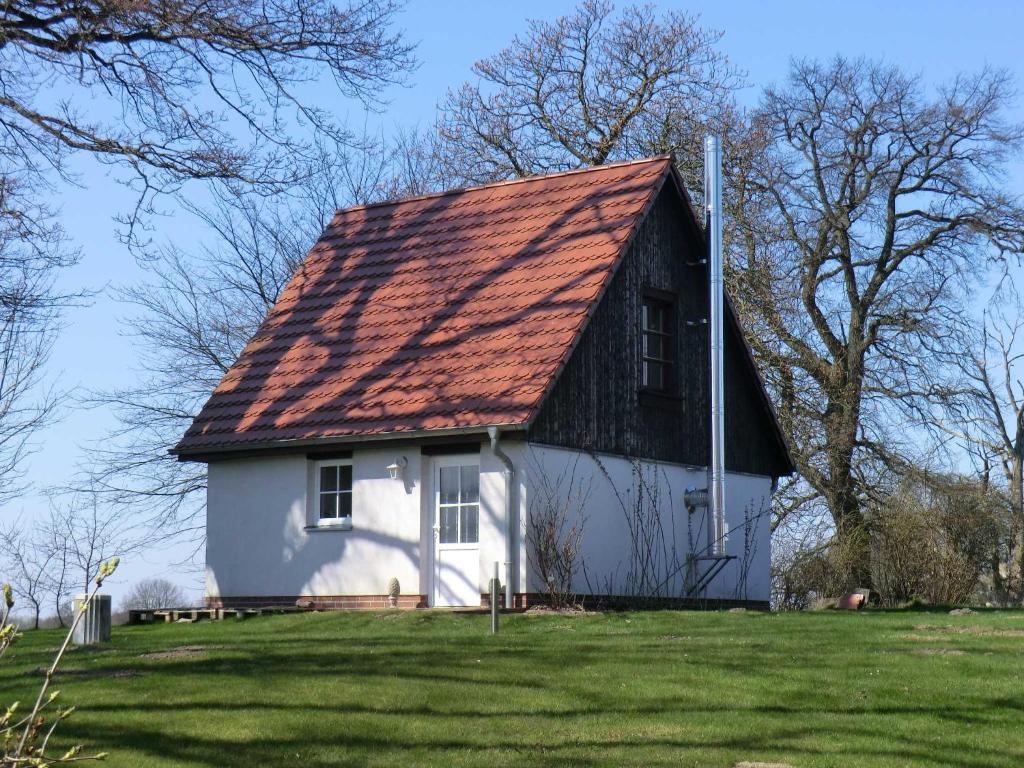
[[597, 402]]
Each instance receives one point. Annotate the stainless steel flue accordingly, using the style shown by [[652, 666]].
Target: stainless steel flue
[[716, 302]]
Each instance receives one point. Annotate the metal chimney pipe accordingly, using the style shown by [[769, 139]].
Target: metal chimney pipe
[[716, 302]]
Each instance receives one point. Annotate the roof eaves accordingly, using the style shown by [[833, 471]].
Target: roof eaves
[[225, 450]]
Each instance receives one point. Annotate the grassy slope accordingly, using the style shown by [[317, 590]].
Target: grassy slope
[[702, 689]]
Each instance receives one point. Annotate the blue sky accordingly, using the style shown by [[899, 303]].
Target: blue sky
[[935, 39]]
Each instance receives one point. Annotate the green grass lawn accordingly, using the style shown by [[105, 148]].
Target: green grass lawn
[[666, 688]]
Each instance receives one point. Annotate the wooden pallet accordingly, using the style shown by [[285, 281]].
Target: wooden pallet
[[192, 615]]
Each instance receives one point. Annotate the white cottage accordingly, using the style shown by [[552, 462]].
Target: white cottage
[[445, 373]]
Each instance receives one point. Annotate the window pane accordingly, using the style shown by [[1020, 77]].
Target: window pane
[[470, 524], [328, 478], [449, 523], [652, 378], [449, 485], [655, 316], [328, 505], [345, 477], [663, 347], [470, 483], [655, 346], [345, 504]]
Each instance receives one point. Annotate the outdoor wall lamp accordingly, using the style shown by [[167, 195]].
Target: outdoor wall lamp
[[395, 470]]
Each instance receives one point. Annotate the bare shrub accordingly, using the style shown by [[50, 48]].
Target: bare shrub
[[810, 573], [752, 517], [554, 534], [933, 538], [900, 551], [931, 541], [655, 566]]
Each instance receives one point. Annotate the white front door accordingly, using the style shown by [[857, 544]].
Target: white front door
[[457, 531]]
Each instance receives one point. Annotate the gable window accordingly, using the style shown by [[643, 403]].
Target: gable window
[[658, 345], [334, 493]]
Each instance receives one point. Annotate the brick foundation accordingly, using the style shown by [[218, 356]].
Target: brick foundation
[[521, 601], [317, 602]]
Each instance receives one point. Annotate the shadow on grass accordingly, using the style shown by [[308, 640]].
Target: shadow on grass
[[982, 713], [314, 750]]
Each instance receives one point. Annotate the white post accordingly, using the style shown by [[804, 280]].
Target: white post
[[495, 599]]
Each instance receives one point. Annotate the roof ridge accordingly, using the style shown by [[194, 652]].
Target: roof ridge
[[504, 183]]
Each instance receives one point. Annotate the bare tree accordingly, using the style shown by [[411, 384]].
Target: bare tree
[[81, 533], [415, 165], [982, 408], [53, 539], [192, 318], [33, 250], [860, 229], [27, 562], [586, 89], [185, 83], [152, 594]]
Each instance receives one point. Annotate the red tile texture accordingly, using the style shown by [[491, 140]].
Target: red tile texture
[[439, 312]]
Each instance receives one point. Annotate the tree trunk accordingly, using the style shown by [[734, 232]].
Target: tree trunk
[[1017, 522], [995, 559], [842, 417]]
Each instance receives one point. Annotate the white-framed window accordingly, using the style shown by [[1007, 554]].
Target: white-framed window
[[458, 504], [333, 500]]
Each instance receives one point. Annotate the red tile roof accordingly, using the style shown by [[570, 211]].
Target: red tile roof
[[439, 312]]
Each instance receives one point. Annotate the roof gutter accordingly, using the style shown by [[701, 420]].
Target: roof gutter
[[495, 434], [203, 453]]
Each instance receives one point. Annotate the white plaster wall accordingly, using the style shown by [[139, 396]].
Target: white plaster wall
[[259, 539], [610, 487]]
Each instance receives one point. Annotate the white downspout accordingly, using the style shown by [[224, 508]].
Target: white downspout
[[495, 434], [713, 209]]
